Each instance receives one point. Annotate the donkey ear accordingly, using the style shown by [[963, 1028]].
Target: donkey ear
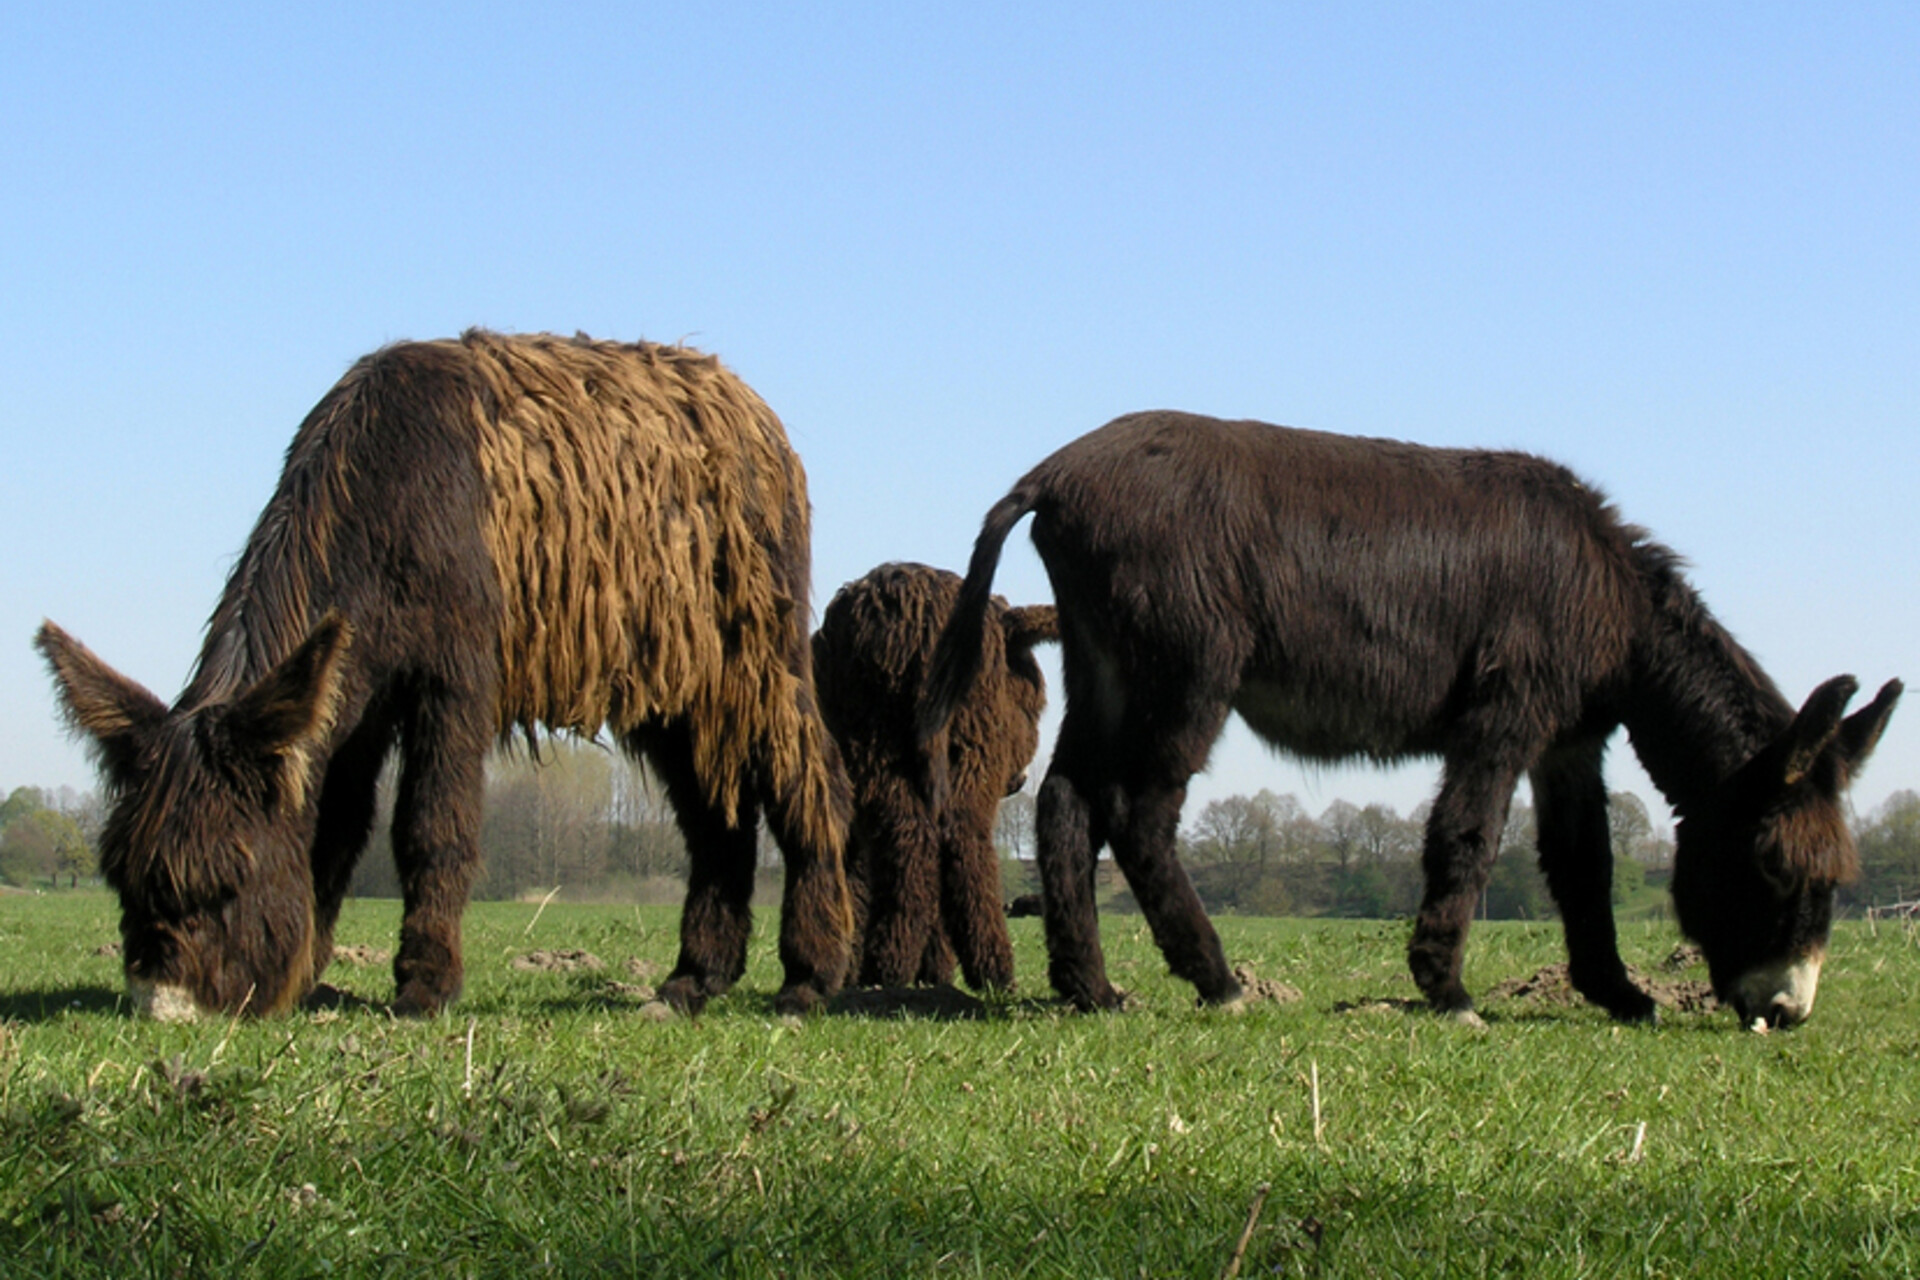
[[117, 713], [1815, 727], [286, 716], [1030, 625], [1860, 732]]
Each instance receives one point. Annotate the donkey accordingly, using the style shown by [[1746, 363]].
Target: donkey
[[1354, 597], [922, 870], [470, 537]]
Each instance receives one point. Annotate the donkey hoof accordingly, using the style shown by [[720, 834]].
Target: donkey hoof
[[680, 996], [798, 1001], [418, 1000]]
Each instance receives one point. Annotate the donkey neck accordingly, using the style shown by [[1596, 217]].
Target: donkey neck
[[281, 586], [1698, 706]]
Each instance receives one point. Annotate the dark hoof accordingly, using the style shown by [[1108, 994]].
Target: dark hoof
[[1230, 996], [798, 1001], [682, 995], [1456, 1006], [1639, 1009], [417, 1000], [1618, 994], [1108, 999]]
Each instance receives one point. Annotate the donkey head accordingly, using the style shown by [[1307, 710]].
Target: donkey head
[[1756, 866], [208, 824]]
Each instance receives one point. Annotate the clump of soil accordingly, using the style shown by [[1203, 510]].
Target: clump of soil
[[1683, 956], [1551, 985], [567, 960], [1256, 989], [107, 949], [614, 989], [360, 954], [645, 970]]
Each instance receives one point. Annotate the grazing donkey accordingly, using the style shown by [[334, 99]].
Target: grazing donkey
[[921, 865], [1353, 597], [473, 536]]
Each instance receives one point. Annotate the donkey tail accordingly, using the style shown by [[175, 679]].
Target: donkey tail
[[957, 656]]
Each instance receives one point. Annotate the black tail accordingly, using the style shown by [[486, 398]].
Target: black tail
[[956, 658]]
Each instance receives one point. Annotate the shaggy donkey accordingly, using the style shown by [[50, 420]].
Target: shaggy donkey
[[923, 872], [1353, 597], [473, 536]]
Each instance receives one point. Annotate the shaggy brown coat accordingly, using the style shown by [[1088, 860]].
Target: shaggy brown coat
[[470, 537], [921, 864], [1352, 597]]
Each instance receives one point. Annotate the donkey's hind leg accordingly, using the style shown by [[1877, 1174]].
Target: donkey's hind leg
[[717, 915], [809, 817], [1576, 853], [1067, 839], [903, 886], [1144, 846], [971, 910]]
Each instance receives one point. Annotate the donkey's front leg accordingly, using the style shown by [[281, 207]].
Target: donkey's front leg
[[1576, 853], [436, 848], [1463, 837]]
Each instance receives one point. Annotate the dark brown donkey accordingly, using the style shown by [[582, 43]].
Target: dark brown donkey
[[473, 536], [1354, 597], [922, 869]]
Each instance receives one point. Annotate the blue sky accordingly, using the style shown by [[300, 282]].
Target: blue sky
[[1677, 247]]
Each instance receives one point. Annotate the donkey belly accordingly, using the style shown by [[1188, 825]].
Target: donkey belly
[[1334, 722]]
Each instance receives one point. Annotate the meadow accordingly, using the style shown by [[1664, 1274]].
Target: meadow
[[546, 1127]]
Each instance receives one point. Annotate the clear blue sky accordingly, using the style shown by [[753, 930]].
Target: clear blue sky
[[1676, 246]]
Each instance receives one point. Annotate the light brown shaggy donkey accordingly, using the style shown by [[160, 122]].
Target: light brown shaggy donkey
[[472, 536]]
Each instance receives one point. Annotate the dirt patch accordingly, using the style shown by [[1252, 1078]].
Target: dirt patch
[[360, 955], [571, 960], [1685, 956], [1551, 985], [107, 949], [622, 992], [645, 970], [943, 1003], [1258, 990]]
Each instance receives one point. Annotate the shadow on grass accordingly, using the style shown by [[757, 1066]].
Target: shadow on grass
[[46, 1004]]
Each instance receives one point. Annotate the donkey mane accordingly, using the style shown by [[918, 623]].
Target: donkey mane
[[1699, 706], [267, 607]]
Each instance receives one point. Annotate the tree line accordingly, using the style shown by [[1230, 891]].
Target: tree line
[[583, 819]]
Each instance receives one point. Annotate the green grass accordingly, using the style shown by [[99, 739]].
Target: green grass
[[582, 1139]]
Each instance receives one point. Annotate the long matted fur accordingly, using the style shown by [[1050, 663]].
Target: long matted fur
[[473, 536]]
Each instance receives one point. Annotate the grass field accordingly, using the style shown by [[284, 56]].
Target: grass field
[[545, 1128]]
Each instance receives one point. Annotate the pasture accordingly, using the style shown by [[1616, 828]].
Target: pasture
[[543, 1127]]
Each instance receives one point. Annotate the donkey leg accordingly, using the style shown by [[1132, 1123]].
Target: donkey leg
[[1068, 837], [936, 963], [1576, 853], [1463, 837], [716, 917], [1143, 845], [971, 910], [904, 906], [436, 842], [345, 822], [809, 819]]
